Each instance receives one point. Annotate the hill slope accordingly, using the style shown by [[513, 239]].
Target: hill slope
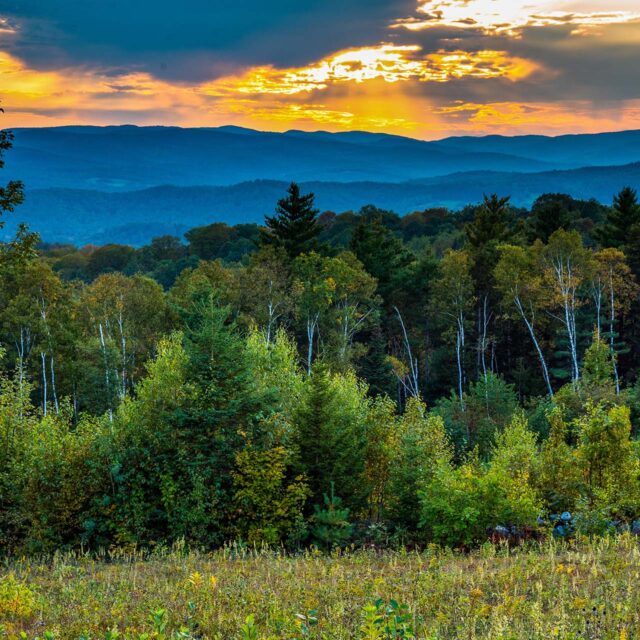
[[127, 158], [82, 216]]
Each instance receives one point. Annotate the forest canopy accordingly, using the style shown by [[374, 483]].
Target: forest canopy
[[327, 378]]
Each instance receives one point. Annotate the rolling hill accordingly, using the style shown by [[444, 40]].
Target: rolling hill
[[82, 216], [129, 184]]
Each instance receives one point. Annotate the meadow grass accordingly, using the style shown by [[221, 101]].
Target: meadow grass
[[552, 590]]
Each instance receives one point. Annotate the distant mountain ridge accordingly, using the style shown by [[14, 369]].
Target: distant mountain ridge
[[126, 157], [84, 216]]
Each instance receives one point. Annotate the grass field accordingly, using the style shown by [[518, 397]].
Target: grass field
[[588, 590]]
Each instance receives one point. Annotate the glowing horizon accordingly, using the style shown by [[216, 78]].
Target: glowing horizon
[[443, 67]]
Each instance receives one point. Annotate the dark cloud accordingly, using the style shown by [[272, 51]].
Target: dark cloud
[[193, 39]]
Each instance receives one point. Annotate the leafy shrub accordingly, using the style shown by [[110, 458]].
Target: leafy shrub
[[459, 504], [17, 601]]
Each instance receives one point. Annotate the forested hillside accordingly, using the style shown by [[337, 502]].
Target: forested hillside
[[130, 184], [136, 217], [326, 379]]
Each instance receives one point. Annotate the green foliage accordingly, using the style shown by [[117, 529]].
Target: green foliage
[[267, 382], [382, 621], [459, 504], [329, 432], [489, 405], [550, 212], [420, 447], [294, 227], [605, 455], [268, 499], [621, 219], [330, 526], [490, 227], [598, 367]]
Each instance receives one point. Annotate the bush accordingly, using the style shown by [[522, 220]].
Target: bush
[[458, 505]]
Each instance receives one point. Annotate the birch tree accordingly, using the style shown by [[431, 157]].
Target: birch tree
[[613, 288], [265, 291], [126, 316], [519, 280], [565, 264], [313, 291], [453, 293]]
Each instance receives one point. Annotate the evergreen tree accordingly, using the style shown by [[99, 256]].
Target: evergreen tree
[[295, 226], [489, 228], [550, 212], [624, 215], [382, 254], [316, 434], [374, 366], [329, 428]]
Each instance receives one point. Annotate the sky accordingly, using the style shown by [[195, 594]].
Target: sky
[[422, 68]]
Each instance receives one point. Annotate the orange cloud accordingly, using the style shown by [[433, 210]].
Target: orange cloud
[[545, 118], [373, 88], [390, 63], [42, 96]]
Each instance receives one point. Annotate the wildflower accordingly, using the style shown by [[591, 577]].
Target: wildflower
[[195, 579]]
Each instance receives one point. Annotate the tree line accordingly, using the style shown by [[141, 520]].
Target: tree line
[[324, 378]]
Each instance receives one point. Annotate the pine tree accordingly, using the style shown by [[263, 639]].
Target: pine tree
[[295, 226], [382, 254], [550, 212], [374, 366], [489, 228], [624, 215], [315, 435]]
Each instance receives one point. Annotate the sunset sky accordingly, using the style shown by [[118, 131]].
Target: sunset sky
[[421, 68]]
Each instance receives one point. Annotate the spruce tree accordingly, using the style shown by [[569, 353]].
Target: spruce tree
[[295, 226], [489, 228], [374, 366], [382, 254], [315, 431], [550, 212], [624, 215]]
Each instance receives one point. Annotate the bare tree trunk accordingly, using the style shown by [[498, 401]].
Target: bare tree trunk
[[44, 382], [460, 341], [414, 381], [536, 344], [106, 371], [566, 284], [483, 343], [312, 324], [612, 321], [53, 387], [597, 298], [123, 351]]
